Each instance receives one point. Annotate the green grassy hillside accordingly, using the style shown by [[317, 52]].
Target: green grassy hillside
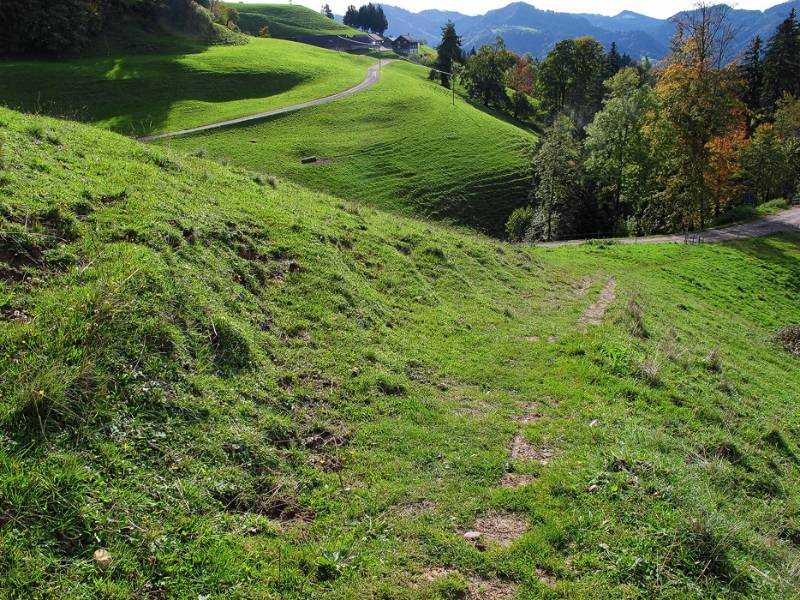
[[399, 145], [182, 86], [286, 21], [246, 391]]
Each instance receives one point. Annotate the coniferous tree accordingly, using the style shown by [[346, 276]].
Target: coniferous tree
[[381, 22], [351, 17], [326, 11], [449, 52], [614, 60], [782, 62], [752, 74]]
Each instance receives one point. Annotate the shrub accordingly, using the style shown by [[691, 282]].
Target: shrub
[[519, 223], [736, 215]]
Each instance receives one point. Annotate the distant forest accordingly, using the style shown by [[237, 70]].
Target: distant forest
[[632, 148]]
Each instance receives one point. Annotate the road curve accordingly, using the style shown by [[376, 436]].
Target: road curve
[[787, 221], [373, 76]]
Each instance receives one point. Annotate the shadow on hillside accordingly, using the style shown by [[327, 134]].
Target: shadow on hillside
[[132, 94], [767, 250]]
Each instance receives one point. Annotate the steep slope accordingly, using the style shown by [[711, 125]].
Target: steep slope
[[210, 387], [178, 84], [400, 145]]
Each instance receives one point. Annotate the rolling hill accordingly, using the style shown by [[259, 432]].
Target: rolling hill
[[400, 145], [178, 83], [528, 29], [217, 385], [291, 22]]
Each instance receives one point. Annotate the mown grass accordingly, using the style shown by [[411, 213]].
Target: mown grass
[[247, 390], [287, 21], [184, 85], [400, 145]]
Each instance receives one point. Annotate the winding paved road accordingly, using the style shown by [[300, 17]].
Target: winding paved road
[[373, 76], [786, 221]]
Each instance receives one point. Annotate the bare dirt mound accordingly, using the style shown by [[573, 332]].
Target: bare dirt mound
[[595, 313], [522, 450], [513, 481], [485, 589], [497, 528]]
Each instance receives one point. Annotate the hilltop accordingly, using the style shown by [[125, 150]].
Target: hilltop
[[290, 22], [216, 383]]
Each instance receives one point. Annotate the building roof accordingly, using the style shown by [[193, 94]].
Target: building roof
[[408, 38]]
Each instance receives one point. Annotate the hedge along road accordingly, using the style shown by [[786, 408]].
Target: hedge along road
[[373, 76], [787, 221]]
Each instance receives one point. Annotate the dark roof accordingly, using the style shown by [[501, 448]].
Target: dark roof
[[407, 38]]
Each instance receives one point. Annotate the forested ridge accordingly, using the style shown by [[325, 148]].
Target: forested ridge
[[690, 141], [69, 26]]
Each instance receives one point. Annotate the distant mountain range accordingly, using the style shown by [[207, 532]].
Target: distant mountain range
[[526, 28]]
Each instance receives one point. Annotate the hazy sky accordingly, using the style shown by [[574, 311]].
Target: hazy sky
[[654, 8]]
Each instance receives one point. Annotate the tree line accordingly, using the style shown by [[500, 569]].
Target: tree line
[[367, 18], [65, 26], [630, 148]]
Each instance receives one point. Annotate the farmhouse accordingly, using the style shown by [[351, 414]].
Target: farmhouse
[[405, 44]]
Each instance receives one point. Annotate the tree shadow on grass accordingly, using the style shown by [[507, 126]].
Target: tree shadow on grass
[[132, 94]]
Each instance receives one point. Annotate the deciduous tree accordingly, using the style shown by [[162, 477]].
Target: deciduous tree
[[619, 156], [556, 168], [485, 74], [697, 99]]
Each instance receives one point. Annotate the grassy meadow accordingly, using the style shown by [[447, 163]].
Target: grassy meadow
[[287, 21], [180, 85], [241, 388], [400, 145]]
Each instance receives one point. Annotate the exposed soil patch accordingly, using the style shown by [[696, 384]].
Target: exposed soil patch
[[478, 588], [522, 450], [583, 287], [531, 415], [532, 339], [595, 313], [513, 481], [496, 528], [326, 462], [545, 577], [485, 589], [320, 438]]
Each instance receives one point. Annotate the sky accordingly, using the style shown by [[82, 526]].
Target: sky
[[654, 8]]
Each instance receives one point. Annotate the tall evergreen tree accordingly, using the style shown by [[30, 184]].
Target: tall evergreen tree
[[326, 11], [450, 52], [381, 22], [614, 60], [351, 17], [782, 62], [752, 75]]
